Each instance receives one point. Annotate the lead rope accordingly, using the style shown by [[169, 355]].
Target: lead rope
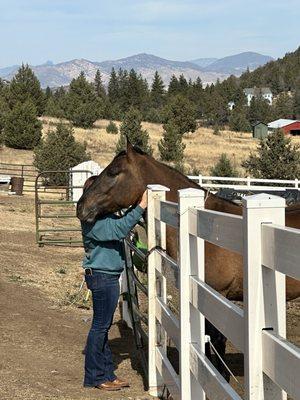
[[222, 361]]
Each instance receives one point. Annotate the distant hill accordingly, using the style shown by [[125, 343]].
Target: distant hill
[[204, 62], [238, 63], [208, 69]]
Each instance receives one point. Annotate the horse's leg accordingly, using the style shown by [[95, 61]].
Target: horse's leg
[[219, 342]]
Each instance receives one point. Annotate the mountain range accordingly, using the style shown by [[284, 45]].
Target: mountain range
[[208, 69]]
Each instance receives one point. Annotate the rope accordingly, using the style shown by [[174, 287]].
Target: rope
[[223, 362]]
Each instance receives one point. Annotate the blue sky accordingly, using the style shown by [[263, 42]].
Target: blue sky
[[35, 31]]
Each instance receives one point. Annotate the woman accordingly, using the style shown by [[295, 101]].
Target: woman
[[103, 263]]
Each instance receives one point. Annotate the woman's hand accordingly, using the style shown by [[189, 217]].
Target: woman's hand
[[144, 201]]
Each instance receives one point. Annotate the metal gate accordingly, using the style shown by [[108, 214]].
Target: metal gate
[[55, 209]]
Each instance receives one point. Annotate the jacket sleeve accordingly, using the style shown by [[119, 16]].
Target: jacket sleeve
[[109, 228]]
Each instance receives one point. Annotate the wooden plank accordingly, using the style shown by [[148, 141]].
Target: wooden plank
[[213, 383], [166, 211], [281, 362], [168, 321], [281, 249], [222, 313], [167, 267], [222, 229], [167, 372]]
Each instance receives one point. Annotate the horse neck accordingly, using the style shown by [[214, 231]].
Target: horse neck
[[154, 172]]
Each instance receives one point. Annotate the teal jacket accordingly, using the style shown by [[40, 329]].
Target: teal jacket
[[102, 240]]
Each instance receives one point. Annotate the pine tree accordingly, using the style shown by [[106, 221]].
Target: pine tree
[[170, 146], [22, 129], [276, 158], [284, 106], [99, 87], [238, 121], [113, 88], [173, 88], [83, 106], [296, 103], [59, 151], [25, 86], [157, 95], [131, 128], [181, 112], [223, 167], [259, 110]]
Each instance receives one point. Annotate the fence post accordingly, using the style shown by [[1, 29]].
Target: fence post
[[248, 182], [264, 294], [155, 192], [191, 262], [296, 183]]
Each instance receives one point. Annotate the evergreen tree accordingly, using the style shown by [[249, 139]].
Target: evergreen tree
[[131, 128], [174, 87], [99, 87], [276, 158], [170, 146], [181, 112], [59, 151], [215, 108], [238, 121], [296, 103], [83, 106], [25, 86], [22, 129], [284, 107], [157, 95], [223, 167], [48, 93], [113, 88], [57, 104], [259, 110]]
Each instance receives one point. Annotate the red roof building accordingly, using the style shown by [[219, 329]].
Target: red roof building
[[292, 129]]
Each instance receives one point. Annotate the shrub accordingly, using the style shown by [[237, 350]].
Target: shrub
[[223, 167], [277, 158], [112, 128], [22, 129], [59, 151], [182, 113]]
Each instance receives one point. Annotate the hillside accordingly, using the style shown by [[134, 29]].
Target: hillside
[[280, 75]]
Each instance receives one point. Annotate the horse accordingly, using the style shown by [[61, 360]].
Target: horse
[[122, 183]]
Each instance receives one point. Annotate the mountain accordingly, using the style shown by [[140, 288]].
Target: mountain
[[208, 69], [204, 62], [238, 63]]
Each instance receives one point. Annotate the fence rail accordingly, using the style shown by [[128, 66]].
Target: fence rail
[[270, 251]]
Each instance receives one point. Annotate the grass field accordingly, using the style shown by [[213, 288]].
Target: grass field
[[203, 148]]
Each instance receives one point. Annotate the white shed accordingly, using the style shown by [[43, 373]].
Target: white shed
[[79, 175]]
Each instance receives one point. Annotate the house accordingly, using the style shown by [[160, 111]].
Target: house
[[256, 92], [260, 130], [289, 126]]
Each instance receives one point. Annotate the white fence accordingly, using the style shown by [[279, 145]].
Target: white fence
[[270, 251], [247, 183]]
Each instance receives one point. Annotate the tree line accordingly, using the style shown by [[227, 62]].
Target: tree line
[[180, 107]]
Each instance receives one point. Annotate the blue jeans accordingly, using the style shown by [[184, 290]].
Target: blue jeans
[[99, 366]]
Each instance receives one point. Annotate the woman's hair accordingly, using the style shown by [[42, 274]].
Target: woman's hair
[[89, 182]]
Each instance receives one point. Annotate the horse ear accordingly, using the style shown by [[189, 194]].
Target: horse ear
[[130, 150]]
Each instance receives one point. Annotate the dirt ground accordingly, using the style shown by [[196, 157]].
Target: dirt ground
[[42, 330], [41, 336]]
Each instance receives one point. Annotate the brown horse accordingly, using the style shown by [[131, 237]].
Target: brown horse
[[122, 183]]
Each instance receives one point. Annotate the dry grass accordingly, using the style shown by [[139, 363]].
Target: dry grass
[[203, 148]]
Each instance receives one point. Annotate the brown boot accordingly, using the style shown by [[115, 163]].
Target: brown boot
[[120, 383], [109, 386]]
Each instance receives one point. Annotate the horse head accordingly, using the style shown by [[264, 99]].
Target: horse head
[[118, 186]]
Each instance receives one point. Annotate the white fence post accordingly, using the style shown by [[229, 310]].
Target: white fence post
[[155, 381], [264, 294], [192, 324]]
